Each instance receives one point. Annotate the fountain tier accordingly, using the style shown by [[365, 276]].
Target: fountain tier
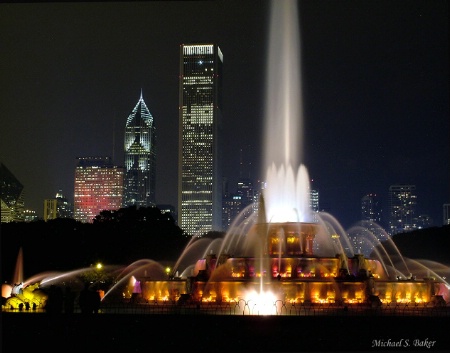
[[288, 268]]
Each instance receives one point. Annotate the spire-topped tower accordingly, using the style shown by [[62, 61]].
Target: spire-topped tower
[[140, 157]]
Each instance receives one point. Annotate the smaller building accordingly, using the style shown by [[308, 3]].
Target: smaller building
[[59, 207]]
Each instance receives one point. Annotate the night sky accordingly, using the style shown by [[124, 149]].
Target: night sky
[[376, 95]]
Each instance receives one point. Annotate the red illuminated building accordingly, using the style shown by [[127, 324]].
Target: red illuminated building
[[98, 187]]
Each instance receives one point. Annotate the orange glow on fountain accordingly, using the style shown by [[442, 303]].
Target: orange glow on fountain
[[287, 269]]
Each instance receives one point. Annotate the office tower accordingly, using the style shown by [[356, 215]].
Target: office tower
[[245, 191], [371, 208], [237, 204], [370, 233], [50, 209], [58, 207], [199, 169], [12, 197], [402, 208], [140, 157], [98, 187], [231, 208]]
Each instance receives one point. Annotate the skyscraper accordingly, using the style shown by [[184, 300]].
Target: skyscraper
[[199, 168], [234, 204], [402, 208], [140, 157], [371, 208], [366, 237], [98, 187]]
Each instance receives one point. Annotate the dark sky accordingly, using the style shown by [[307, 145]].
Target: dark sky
[[376, 95]]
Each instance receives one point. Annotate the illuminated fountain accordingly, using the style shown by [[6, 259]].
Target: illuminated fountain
[[279, 250], [284, 251]]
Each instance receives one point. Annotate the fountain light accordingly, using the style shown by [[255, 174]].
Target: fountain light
[[262, 303]]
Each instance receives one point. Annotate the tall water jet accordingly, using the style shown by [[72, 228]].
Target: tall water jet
[[18, 271], [283, 111], [287, 193]]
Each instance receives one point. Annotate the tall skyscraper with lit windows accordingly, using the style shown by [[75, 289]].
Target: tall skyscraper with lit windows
[[140, 157], [199, 165], [402, 208], [98, 187]]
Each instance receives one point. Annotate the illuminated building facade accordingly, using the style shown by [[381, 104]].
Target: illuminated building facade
[[199, 170], [140, 157], [29, 215], [12, 197], [402, 208], [314, 200], [231, 208], [98, 187], [59, 207]]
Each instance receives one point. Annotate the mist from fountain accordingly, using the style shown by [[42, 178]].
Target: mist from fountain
[[364, 231], [145, 269], [197, 248]]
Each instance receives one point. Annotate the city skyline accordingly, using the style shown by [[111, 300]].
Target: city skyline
[[375, 83]]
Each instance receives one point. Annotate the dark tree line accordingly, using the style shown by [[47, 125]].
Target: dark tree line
[[428, 244], [115, 237]]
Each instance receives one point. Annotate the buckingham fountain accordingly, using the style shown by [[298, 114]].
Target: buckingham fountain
[[279, 249]]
